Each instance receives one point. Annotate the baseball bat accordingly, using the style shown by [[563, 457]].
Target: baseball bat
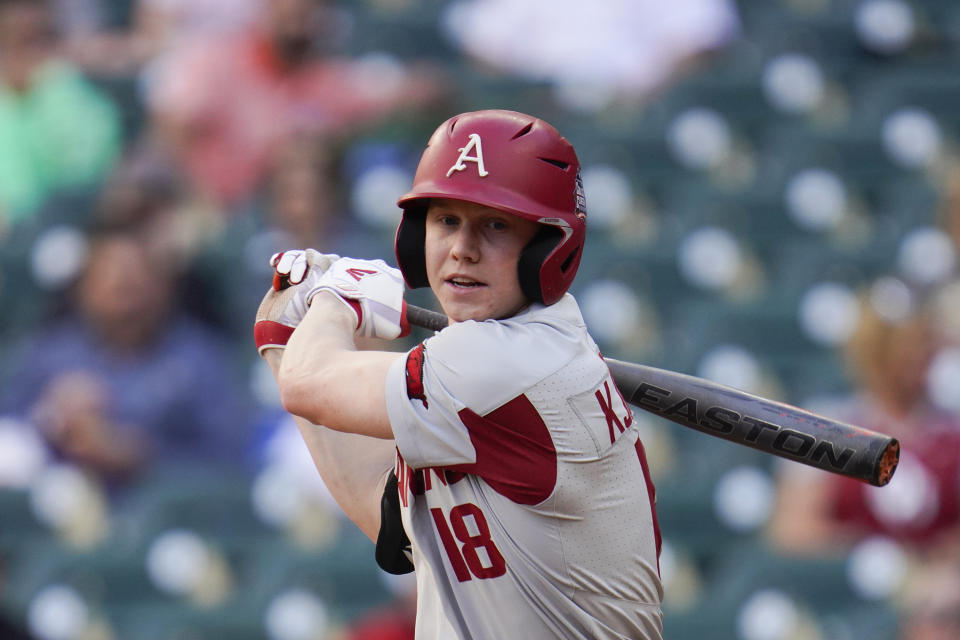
[[743, 418]]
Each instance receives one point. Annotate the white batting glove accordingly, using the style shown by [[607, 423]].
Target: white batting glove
[[295, 266], [295, 277], [301, 269], [374, 290]]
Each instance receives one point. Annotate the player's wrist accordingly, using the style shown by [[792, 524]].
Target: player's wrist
[[337, 309], [272, 356]]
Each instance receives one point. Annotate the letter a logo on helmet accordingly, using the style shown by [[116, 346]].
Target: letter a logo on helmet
[[465, 156], [536, 177]]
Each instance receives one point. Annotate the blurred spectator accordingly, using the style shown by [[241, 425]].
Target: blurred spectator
[[225, 106], [155, 27], [950, 193], [126, 380], [920, 508], [56, 130], [147, 192], [947, 294], [596, 50], [304, 199], [931, 608], [300, 205]]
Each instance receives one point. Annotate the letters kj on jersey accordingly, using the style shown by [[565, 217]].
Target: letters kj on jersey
[[604, 412], [473, 144]]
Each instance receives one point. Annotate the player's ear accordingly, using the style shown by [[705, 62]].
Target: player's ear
[[409, 245]]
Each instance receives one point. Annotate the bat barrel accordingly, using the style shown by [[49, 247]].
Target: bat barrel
[[773, 427]]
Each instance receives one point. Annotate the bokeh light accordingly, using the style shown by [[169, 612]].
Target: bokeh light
[[876, 568], [743, 498], [884, 26], [57, 612], [926, 256], [710, 257], [768, 614], [699, 138], [296, 614], [177, 560], [912, 137], [828, 313], [793, 83], [816, 199], [609, 195], [58, 255]]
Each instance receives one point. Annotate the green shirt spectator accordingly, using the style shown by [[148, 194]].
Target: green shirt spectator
[[61, 132], [56, 129]]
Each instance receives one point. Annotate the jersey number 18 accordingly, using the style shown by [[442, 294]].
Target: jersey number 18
[[465, 559]]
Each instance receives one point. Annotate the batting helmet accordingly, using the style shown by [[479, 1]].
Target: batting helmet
[[512, 162]]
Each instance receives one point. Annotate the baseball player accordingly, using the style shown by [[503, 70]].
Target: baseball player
[[518, 474]]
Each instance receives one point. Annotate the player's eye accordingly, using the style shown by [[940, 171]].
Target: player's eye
[[444, 219], [498, 225], [448, 221]]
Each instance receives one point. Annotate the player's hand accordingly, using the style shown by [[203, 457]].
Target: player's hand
[[277, 317], [296, 275], [296, 266], [374, 290]]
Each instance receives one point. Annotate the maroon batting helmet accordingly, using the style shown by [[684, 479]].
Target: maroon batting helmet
[[512, 162]]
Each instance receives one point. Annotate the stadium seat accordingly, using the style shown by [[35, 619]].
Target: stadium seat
[[819, 582], [152, 620], [650, 268], [856, 155], [703, 620], [215, 503], [345, 577], [103, 575], [19, 524], [818, 585], [934, 86], [407, 30], [778, 27]]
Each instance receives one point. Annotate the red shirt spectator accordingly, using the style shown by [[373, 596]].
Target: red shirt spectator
[[225, 105]]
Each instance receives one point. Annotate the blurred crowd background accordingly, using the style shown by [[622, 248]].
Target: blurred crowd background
[[773, 190]]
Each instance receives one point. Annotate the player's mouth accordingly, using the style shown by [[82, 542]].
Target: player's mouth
[[462, 282]]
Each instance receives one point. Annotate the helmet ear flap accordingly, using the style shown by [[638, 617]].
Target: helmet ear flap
[[532, 259], [409, 246]]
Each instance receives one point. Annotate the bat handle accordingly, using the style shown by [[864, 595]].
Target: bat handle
[[426, 319]]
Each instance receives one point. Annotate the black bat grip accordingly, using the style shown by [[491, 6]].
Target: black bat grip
[[426, 319]]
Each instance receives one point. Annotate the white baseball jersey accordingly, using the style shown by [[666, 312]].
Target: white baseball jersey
[[523, 484]]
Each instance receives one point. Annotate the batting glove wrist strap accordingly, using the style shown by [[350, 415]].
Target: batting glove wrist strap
[[274, 322], [269, 334]]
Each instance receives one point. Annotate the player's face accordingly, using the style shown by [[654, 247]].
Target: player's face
[[471, 255]]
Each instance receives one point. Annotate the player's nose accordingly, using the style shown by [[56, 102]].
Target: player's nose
[[466, 244]]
